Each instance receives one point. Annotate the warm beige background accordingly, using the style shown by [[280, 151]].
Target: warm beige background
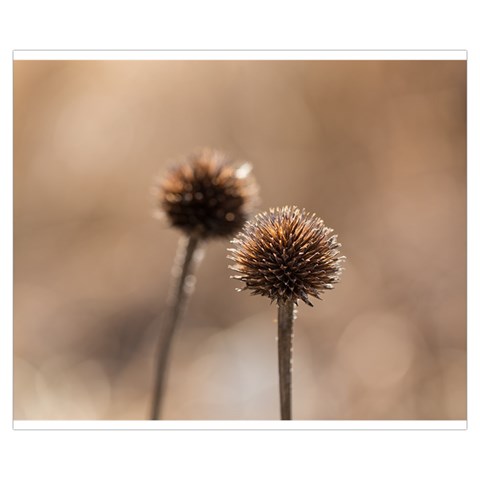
[[375, 148]]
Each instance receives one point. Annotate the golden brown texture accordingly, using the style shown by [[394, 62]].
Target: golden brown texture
[[287, 254]]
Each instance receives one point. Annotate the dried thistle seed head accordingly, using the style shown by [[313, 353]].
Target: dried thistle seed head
[[286, 254], [207, 195]]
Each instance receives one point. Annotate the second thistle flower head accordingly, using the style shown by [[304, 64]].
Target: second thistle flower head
[[207, 195], [286, 254]]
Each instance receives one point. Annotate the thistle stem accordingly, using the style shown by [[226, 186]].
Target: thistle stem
[[187, 257], [286, 316]]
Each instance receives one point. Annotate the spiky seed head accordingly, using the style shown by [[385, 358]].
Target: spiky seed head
[[207, 195], [286, 254]]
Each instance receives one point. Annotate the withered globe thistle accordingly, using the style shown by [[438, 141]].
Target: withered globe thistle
[[207, 196], [286, 254]]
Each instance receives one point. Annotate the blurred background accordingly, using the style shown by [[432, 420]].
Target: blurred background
[[376, 148]]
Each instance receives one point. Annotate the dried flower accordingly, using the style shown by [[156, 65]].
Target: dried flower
[[286, 254], [207, 195]]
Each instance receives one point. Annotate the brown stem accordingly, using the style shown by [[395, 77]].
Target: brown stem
[[286, 315], [183, 269]]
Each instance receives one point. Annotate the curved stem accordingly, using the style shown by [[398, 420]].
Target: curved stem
[[183, 269], [286, 315]]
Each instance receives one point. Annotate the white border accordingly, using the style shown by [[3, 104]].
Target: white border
[[240, 455], [240, 55], [242, 425]]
